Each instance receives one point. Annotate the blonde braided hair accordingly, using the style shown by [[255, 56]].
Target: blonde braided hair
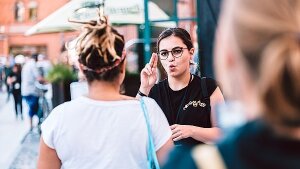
[[99, 47]]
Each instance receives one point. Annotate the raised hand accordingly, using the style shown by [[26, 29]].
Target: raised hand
[[149, 75]]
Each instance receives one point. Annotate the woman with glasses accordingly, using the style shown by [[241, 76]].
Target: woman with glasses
[[187, 100]]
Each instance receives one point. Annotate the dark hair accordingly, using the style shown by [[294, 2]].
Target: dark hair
[[18, 66], [100, 48], [35, 56], [178, 32]]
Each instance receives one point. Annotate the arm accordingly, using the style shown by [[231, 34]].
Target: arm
[[215, 99], [163, 152], [209, 135], [9, 80], [35, 72], [206, 135], [148, 76], [48, 158]]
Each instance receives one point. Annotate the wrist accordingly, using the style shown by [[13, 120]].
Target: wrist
[[141, 94], [144, 91], [194, 131]]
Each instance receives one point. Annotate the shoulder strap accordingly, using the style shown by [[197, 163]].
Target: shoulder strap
[[207, 157], [151, 154], [204, 87]]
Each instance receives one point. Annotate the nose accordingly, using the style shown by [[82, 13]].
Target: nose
[[170, 56]]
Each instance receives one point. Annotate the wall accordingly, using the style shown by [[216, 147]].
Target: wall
[[12, 31]]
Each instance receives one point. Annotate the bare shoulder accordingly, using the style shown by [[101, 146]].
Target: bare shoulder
[[217, 96]]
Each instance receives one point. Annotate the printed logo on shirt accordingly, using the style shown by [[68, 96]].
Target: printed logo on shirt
[[194, 104]]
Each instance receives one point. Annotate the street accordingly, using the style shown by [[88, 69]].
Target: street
[[19, 147]]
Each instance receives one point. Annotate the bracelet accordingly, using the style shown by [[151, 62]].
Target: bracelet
[[141, 94]]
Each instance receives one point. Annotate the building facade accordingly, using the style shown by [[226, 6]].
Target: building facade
[[17, 16]]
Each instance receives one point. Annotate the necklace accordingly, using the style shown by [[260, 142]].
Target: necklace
[[175, 121]]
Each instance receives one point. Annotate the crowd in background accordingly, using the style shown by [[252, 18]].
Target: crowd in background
[[19, 81]]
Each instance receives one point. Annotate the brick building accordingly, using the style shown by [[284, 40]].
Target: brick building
[[17, 16]]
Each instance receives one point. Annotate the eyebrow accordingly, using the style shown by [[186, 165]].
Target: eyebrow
[[171, 49]]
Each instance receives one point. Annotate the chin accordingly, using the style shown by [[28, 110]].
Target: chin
[[174, 74]]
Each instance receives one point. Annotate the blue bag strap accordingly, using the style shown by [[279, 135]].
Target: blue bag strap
[[151, 154]]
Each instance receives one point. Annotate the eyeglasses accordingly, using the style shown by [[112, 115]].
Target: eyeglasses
[[176, 53]]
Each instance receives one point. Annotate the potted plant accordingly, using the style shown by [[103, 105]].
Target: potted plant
[[61, 76]]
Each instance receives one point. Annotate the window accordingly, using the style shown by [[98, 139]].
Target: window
[[19, 11], [32, 10]]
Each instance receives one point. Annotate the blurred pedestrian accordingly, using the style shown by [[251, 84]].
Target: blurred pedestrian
[[43, 65], [257, 60], [30, 75], [103, 129], [7, 72], [14, 80], [186, 99], [1, 75]]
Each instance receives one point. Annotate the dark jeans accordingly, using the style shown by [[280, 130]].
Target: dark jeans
[[33, 104], [18, 101]]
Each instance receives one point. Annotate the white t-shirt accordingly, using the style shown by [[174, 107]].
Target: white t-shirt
[[29, 77], [78, 89], [90, 134]]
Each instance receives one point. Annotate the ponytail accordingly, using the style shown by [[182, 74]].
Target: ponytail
[[279, 80]]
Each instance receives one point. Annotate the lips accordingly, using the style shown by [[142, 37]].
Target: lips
[[172, 67]]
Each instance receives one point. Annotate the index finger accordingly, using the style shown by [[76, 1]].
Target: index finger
[[173, 126], [153, 60]]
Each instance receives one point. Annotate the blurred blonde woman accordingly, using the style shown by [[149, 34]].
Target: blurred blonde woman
[[257, 61], [103, 129]]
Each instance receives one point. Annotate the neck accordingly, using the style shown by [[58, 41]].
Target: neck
[[180, 82], [102, 90], [252, 105], [250, 98]]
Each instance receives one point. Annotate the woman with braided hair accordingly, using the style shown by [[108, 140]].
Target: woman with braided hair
[[103, 129]]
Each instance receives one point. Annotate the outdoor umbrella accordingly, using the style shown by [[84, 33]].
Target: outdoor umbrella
[[119, 13]]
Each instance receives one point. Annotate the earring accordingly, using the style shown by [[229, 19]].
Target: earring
[[192, 62]]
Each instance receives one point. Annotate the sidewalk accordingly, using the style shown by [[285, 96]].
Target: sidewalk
[[28, 153], [12, 133]]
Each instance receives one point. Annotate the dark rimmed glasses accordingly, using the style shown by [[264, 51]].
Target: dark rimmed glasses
[[176, 53]]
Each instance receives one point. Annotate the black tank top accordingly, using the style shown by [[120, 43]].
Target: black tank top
[[195, 109]]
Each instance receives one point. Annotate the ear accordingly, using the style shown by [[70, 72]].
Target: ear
[[123, 64], [80, 66], [192, 50]]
